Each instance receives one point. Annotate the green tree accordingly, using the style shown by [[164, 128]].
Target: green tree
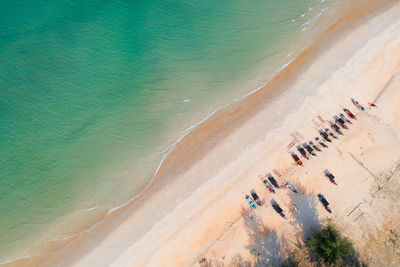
[[329, 245]]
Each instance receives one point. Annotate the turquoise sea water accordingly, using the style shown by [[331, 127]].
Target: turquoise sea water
[[92, 93]]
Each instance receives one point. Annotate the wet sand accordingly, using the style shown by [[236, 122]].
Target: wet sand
[[193, 209]]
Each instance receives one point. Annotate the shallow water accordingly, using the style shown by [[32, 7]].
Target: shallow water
[[93, 94]]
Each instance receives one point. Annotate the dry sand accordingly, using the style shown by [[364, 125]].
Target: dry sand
[[195, 209]]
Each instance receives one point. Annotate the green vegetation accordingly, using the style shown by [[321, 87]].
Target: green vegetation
[[329, 245]]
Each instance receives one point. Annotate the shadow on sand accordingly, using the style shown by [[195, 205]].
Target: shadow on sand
[[269, 250], [304, 213], [264, 246]]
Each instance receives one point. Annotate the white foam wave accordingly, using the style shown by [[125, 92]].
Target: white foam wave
[[312, 19]]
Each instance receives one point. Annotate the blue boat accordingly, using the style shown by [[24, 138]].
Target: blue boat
[[251, 202], [291, 187]]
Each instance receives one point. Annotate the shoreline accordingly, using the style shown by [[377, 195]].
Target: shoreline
[[198, 140], [101, 213]]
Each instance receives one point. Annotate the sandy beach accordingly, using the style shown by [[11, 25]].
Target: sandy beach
[[195, 212]]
